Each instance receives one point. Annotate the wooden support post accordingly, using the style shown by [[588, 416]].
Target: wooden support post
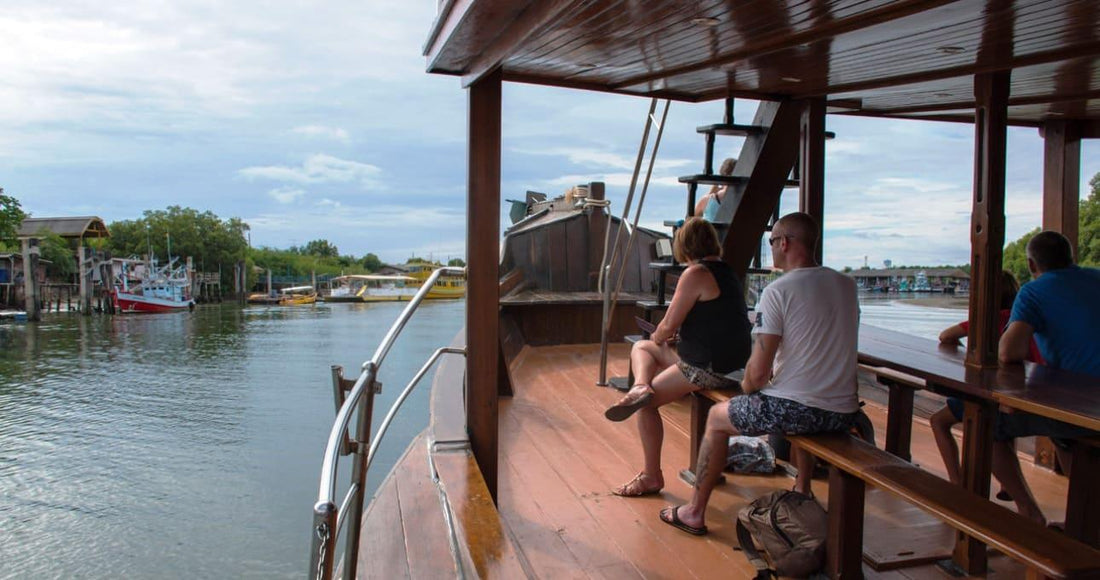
[[85, 286], [987, 222], [1061, 178], [30, 279], [977, 459], [1061, 201], [811, 186], [1083, 503], [899, 423], [844, 550], [482, 276]]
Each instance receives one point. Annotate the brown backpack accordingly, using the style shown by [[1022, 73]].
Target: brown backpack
[[792, 528]]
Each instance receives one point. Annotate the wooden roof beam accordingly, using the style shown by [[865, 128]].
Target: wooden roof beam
[[1045, 57], [534, 17], [785, 39], [1015, 102], [598, 87]]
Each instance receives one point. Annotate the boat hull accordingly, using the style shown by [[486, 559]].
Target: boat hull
[[126, 302]]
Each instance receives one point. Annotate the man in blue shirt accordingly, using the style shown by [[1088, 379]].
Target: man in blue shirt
[[1060, 308]]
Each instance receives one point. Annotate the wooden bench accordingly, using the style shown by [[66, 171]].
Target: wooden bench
[[899, 420], [701, 402], [854, 463]]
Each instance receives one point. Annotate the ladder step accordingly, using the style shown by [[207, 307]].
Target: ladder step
[[705, 179], [677, 223], [667, 267], [730, 129], [652, 306]]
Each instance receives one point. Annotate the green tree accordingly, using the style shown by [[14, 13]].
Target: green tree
[[11, 215], [210, 241], [372, 263], [58, 253], [1088, 247], [457, 262], [1015, 257], [321, 248]]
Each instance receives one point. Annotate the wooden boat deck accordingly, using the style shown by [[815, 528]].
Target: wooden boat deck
[[559, 458]]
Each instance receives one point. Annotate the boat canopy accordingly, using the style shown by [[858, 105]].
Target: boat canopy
[[294, 289], [904, 59]]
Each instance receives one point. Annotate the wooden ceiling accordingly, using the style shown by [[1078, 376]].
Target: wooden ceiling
[[897, 58]]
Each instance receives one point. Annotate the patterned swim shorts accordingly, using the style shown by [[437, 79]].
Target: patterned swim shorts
[[759, 414], [706, 379]]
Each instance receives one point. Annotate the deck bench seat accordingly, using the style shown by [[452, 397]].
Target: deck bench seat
[[854, 462]]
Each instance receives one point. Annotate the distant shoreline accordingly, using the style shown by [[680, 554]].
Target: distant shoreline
[[955, 302]]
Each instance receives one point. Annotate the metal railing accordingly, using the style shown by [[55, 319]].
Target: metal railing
[[328, 519]]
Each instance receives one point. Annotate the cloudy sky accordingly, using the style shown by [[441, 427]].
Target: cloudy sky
[[315, 120]]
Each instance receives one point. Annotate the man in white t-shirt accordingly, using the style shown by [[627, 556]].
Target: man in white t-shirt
[[801, 376]]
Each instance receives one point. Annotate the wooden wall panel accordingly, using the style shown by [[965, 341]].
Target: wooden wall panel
[[556, 251], [576, 232]]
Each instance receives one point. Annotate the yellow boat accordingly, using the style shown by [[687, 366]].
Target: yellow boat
[[297, 295], [447, 287]]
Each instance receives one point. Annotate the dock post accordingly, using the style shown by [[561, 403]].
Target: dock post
[[85, 299], [30, 281]]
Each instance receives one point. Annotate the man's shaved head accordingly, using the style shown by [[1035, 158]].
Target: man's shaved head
[[798, 226]]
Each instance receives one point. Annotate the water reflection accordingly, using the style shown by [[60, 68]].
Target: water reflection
[[184, 445]]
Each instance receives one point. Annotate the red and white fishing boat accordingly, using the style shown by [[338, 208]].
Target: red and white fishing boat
[[163, 289]]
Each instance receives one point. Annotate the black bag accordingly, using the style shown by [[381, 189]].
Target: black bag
[[792, 527]]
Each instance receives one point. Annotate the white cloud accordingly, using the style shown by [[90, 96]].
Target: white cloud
[[286, 194], [317, 168], [323, 132], [621, 180], [596, 158]]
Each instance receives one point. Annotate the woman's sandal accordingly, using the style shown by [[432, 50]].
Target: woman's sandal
[[633, 488], [626, 406]]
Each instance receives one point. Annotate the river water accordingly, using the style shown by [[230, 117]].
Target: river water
[[188, 445]]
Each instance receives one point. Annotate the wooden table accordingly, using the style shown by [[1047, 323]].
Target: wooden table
[[1040, 390]]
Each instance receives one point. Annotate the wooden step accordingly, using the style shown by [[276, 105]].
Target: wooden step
[[720, 226], [671, 267], [711, 179], [653, 306], [732, 129], [735, 130]]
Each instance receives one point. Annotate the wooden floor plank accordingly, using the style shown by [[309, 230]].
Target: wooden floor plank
[[559, 459], [382, 542], [535, 535], [427, 541], [556, 385]]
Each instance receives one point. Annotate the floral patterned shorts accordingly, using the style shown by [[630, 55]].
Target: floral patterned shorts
[[706, 379], [759, 414]]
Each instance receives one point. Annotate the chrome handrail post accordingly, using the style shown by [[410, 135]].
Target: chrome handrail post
[[324, 539], [327, 518], [359, 472]]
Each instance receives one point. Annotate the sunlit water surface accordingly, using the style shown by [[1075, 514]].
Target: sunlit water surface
[[185, 445]]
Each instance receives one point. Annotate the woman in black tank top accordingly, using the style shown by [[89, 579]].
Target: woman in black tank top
[[704, 335]]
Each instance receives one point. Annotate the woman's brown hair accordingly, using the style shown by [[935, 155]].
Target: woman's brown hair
[[1009, 288], [696, 239]]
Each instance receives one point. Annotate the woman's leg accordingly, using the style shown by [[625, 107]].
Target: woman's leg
[[668, 386], [646, 358], [941, 422]]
